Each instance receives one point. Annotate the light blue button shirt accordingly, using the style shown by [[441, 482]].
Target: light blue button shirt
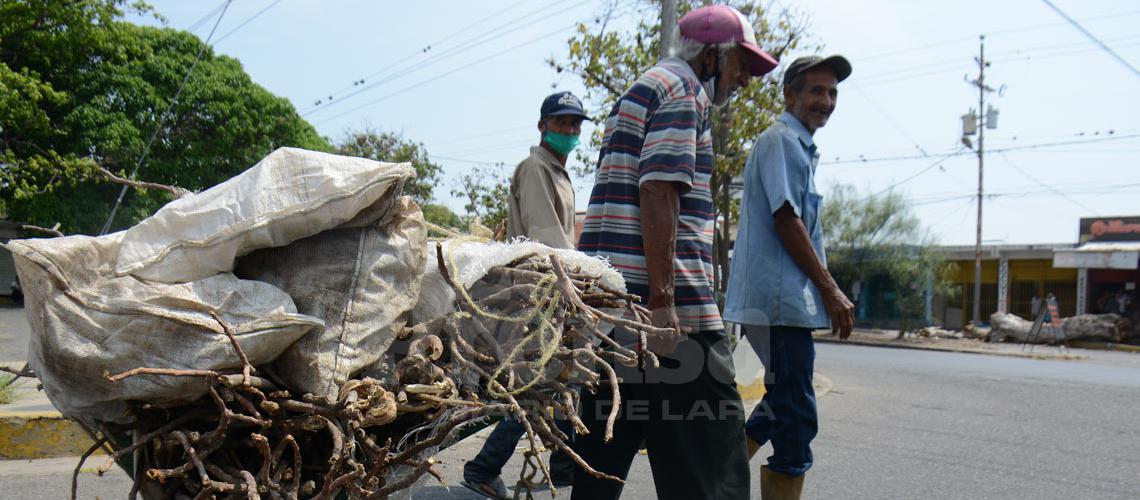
[[765, 286]]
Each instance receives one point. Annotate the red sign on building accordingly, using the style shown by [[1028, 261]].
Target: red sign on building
[[1110, 229]]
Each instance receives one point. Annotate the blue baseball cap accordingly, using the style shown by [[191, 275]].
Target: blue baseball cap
[[562, 103]]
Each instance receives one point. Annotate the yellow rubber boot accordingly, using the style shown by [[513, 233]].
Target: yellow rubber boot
[[778, 486]]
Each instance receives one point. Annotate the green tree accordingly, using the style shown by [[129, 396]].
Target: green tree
[[878, 235], [390, 147], [487, 191], [440, 215], [608, 60], [82, 90]]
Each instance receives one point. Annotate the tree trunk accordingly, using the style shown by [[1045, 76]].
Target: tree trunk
[[720, 187]]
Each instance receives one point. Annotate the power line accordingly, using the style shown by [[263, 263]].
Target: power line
[[469, 138], [1059, 53], [964, 39], [1095, 185], [1093, 38], [916, 174], [418, 52], [467, 45], [516, 143], [461, 48], [445, 74], [1046, 186], [951, 65], [162, 118], [206, 17], [891, 121], [998, 150], [247, 21], [467, 160]]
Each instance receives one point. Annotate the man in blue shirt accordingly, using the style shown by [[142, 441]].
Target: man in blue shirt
[[779, 288]]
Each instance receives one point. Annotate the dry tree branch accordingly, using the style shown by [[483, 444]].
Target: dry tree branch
[[174, 190]]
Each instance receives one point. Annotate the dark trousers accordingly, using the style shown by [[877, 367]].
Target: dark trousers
[[690, 416], [787, 415], [500, 445]]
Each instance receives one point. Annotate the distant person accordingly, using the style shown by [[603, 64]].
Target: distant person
[[1105, 303], [541, 208], [1034, 306], [1050, 300], [541, 204], [779, 288], [1123, 302]]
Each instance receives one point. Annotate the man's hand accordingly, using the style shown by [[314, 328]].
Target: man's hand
[[664, 317], [841, 310]]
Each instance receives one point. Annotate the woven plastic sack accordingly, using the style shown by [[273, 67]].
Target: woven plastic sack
[[362, 281], [289, 195], [468, 262], [87, 322]]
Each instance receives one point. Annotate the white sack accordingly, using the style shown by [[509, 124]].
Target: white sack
[[289, 195], [362, 281], [468, 262], [86, 322]]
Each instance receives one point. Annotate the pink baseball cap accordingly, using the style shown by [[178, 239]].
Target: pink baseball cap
[[720, 24]]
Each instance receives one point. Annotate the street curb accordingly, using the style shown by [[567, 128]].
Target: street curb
[[754, 392], [34, 435], [29, 435], [1104, 346], [892, 345]]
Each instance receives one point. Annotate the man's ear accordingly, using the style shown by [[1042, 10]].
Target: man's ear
[[542, 126]]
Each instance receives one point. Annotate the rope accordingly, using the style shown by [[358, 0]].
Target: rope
[[545, 298]]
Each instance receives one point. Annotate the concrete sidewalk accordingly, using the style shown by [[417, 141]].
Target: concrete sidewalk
[[877, 338]]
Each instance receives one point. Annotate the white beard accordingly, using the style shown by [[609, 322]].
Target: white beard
[[710, 88]]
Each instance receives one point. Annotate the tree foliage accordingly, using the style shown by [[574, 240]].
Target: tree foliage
[[440, 215], [487, 192], [878, 235], [391, 147], [81, 89], [608, 60]]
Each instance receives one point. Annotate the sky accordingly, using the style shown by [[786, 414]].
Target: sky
[[467, 78]]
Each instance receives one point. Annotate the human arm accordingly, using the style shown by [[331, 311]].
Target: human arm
[[660, 211], [794, 235]]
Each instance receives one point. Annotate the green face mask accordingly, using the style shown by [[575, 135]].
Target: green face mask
[[562, 144]]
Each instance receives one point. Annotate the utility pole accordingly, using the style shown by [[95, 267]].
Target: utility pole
[[983, 120], [668, 27]]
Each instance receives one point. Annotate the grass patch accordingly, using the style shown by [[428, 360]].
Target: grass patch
[[7, 388]]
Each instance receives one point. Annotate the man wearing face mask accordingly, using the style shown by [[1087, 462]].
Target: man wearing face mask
[[541, 208], [779, 288], [651, 216], [542, 198]]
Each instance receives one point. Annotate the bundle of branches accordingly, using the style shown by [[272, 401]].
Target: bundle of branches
[[250, 437]]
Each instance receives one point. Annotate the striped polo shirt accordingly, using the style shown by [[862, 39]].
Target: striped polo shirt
[[659, 130]]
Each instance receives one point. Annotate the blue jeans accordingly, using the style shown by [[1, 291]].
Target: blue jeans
[[787, 415], [500, 445]]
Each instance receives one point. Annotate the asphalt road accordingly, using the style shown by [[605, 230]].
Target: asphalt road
[[899, 424]]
